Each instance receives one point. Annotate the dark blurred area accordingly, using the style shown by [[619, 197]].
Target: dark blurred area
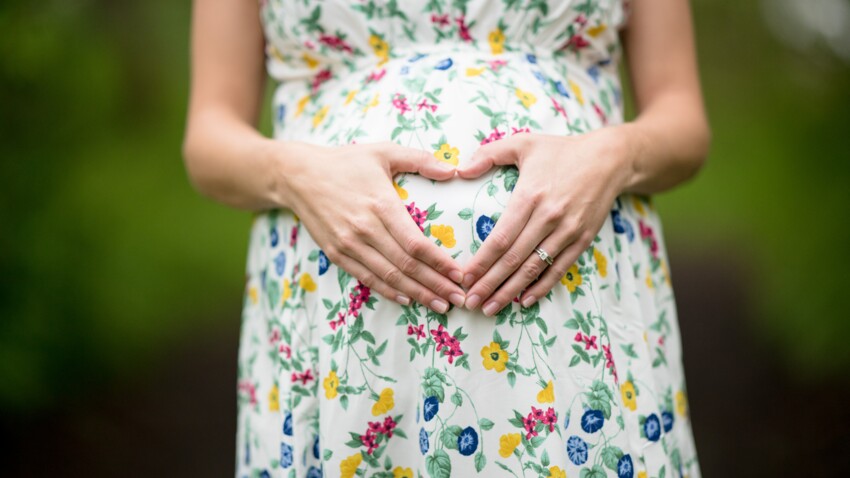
[[121, 287]]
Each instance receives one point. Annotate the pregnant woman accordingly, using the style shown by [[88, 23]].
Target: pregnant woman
[[455, 265]]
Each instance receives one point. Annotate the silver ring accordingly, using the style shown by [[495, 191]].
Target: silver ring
[[545, 257]]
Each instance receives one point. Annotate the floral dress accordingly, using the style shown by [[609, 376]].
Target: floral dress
[[334, 380]]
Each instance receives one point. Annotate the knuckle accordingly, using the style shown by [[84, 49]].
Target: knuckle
[[415, 246], [530, 271], [392, 276], [512, 258], [409, 265], [345, 241], [368, 279], [499, 240], [552, 215]]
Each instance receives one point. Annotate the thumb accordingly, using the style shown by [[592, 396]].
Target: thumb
[[495, 153], [410, 160]]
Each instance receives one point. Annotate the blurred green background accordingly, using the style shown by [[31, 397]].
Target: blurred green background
[[112, 267]]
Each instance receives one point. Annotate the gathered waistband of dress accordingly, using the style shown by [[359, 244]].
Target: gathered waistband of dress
[[281, 71]]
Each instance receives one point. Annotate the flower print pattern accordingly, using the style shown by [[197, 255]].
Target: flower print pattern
[[335, 380]]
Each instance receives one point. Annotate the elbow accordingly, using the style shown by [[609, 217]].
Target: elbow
[[702, 148], [192, 165]]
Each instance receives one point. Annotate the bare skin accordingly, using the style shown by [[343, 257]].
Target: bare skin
[[663, 147], [228, 160]]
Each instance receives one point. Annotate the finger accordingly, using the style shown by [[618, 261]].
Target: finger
[[395, 278], [512, 221], [527, 273], [370, 280], [555, 272], [529, 237], [414, 268], [407, 234], [497, 153], [410, 160]]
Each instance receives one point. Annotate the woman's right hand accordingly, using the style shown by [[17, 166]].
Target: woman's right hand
[[345, 197]]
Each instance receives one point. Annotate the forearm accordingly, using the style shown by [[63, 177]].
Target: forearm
[[666, 145], [230, 162]]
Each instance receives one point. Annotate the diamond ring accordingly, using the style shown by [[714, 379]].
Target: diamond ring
[[544, 256]]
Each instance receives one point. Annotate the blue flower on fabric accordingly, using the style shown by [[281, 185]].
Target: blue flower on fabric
[[566, 420], [404, 70], [416, 57], [593, 71], [423, 441], [281, 113], [287, 424], [444, 64], [247, 453], [274, 237], [667, 421], [265, 474], [285, 455], [531, 58], [314, 472], [562, 89], [621, 225], [625, 467], [430, 408], [467, 441], [577, 450], [652, 427], [323, 262], [484, 225], [540, 78], [280, 263], [316, 447], [592, 421]]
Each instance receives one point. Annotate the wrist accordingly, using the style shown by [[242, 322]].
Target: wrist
[[623, 143], [285, 162]]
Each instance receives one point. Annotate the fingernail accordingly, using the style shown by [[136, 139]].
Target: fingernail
[[456, 276], [472, 301], [457, 299], [403, 299], [468, 280], [440, 306], [528, 301], [490, 308]]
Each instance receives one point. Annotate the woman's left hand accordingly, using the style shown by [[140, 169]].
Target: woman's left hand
[[564, 193]]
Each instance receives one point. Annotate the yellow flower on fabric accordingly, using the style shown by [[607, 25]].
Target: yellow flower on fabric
[[576, 91], [274, 402], [320, 116], [253, 294], [350, 96], [385, 402], [572, 279], [302, 103], [642, 474], [399, 472], [649, 282], [311, 62], [306, 282], [348, 467], [666, 271], [402, 193], [494, 357], [557, 472], [380, 47], [595, 31], [644, 337], [497, 41], [525, 97], [275, 53], [508, 443], [445, 234], [287, 290], [628, 391], [601, 262], [371, 104], [638, 203], [475, 71], [547, 395], [681, 403], [331, 383], [447, 154]]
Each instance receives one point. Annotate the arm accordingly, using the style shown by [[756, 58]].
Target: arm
[[669, 140], [664, 146], [354, 213]]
